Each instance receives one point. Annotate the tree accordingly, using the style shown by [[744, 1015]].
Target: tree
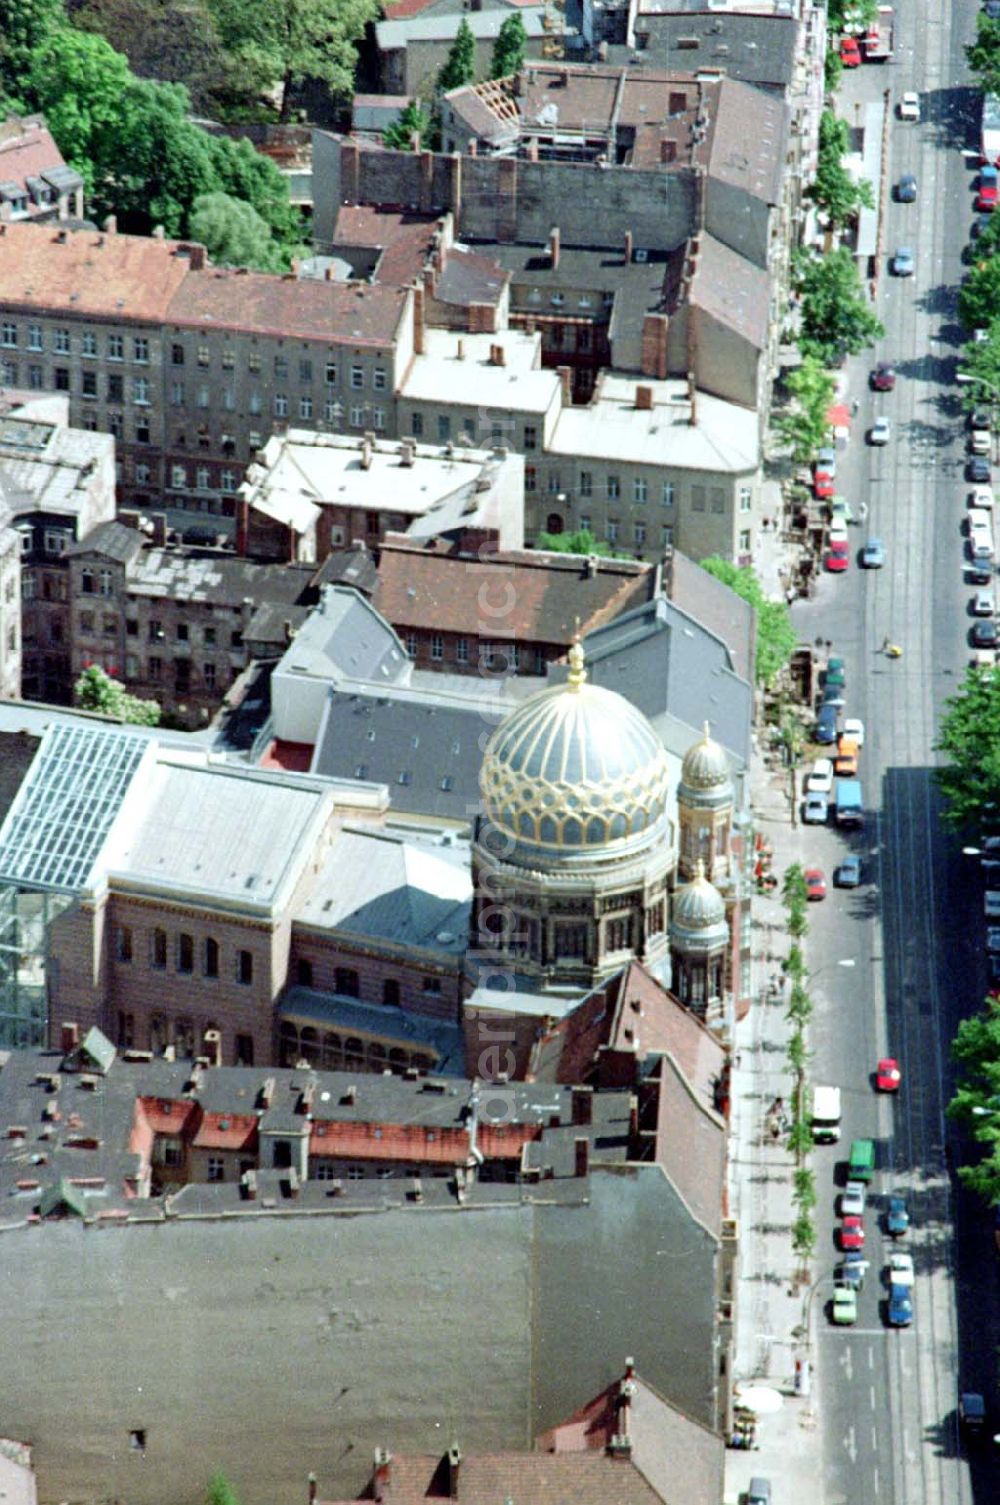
[[981, 358], [833, 190], [983, 54], [285, 42], [233, 233], [582, 542], [220, 1491], [859, 13], [413, 121], [833, 70], [805, 425], [79, 82], [24, 26], [163, 40], [976, 1104], [977, 297], [776, 637], [793, 886], [97, 691], [508, 49], [460, 64], [970, 740], [247, 174], [835, 319]]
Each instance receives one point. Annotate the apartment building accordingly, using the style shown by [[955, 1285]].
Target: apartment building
[[191, 367], [35, 182]]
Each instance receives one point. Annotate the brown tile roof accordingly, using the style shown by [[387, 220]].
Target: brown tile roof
[[351, 312], [538, 1478], [426, 588], [404, 239], [114, 276], [691, 1146], [26, 150]]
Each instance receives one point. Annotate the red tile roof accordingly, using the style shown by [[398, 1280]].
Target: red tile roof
[[351, 312], [115, 276], [538, 1478], [226, 1131], [438, 1146], [27, 152]]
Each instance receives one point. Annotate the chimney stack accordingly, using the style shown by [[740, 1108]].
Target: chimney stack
[[69, 1037], [644, 399], [629, 244], [418, 320], [312, 1489], [158, 232], [382, 1474], [454, 1464], [460, 351], [583, 1100], [565, 374], [366, 452], [196, 258], [693, 400], [406, 454], [554, 240]]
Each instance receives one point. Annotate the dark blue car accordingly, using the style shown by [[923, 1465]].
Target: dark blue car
[[826, 725]]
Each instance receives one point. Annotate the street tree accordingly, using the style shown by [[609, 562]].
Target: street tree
[[95, 690], [834, 190], [970, 741], [858, 14], [233, 233], [976, 1103], [460, 64], [804, 1189], [508, 49], [793, 885], [833, 70], [804, 1236], [414, 120], [776, 637], [281, 43], [978, 295], [983, 55], [805, 424], [834, 317], [981, 359]]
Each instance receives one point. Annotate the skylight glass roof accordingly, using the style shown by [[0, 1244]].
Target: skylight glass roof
[[60, 818]]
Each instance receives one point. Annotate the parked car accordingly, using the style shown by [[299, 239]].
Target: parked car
[[899, 1271], [854, 728], [845, 764], [897, 1218], [903, 262], [979, 574], [852, 1233], [835, 672], [873, 555], [852, 1269], [852, 1199], [880, 431], [814, 810], [819, 779], [989, 190], [971, 1406], [833, 695], [837, 558], [840, 510], [850, 52], [981, 496], [977, 469], [822, 486], [815, 884], [991, 903], [826, 726], [993, 938], [837, 531], [847, 874], [980, 442], [979, 418], [883, 378], [899, 1311], [984, 634], [909, 106], [979, 224], [888, 1075], [906, 189], [844, 1307], [826, 459], [983, 603]]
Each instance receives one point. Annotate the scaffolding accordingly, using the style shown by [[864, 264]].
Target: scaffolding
[[25, 917]]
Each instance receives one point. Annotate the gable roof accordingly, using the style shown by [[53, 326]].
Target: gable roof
[[95, 1052], [116, 276], [111, 540], [62, 1196]]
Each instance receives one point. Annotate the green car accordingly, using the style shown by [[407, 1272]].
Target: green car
[[835, 674], [845, 1306]]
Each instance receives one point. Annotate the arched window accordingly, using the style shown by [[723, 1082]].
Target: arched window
[[185, 953], [347, 982], [184, 1038], [333, 1054], [309, 1049], [354, 1053], [288, 1043], [376, 1056], [390, 992], [398, 1060], [554, 523], [210, 957], [158, 949], [158, 1034]]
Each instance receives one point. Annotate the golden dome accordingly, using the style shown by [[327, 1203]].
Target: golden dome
[[705, 769], [698, 905], [575, 769]]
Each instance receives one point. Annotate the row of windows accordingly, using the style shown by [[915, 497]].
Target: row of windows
[[179, 478], [61, 342], [282, 367], [209, 954], [211, 678], [157, 633], [347, 982], [186, 1039], [333, 1052], [500, 656]]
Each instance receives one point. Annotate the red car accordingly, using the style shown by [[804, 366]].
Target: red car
[[986, 199], [888, 1075], [815, 883], [883, 378], [838, 558], [823, 485], [852, 1232], [850, 52]]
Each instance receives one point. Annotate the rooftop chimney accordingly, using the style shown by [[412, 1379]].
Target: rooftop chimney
[[454, 1464], [196, 258], [692, 399], [407, 451], [69, 1037], [382, 1474], [111, 225], [629, 243], [583, 1105], [213, 1046], [312, 1489], [159, 233], [266, 1095], [366, 452], [565, 374], [644, 399], [460, 351], [554, 239]]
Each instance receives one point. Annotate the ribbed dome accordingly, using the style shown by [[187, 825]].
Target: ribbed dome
[[574, 769], [699, 905], [705, 764]]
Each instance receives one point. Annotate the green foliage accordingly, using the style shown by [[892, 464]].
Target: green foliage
[[804, 1189], [284, 42], [800, 1139], [857, 13], [508, 49], [970, 741], [776, 637], [798, 925], [800, 1006], [244, 173], [414, 120], [806, 426], [163, 40], [460, 64], [80, 83], [794, 965], [981, 358], [834, 191], [233, 233], [833, 70], [978, 295], [798, 1054], [581, 542], [220, 1491], [835, 318], [24, 25], [976, 1104], [983, 55], [804, 1236], [97, 691], [793, 886]]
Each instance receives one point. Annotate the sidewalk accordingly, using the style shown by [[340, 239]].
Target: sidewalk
[[769, 1307]]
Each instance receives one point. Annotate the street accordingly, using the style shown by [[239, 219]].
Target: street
[[897, 963]]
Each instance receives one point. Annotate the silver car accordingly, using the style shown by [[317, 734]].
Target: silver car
[[904, 263]]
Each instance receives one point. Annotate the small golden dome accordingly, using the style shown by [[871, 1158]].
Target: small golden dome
[[698, 905]]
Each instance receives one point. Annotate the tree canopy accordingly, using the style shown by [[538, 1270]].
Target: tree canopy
[[283, 42], [220, 1491], [978, 304], [970, 740], [983, 55], [460, 64], [776, 637], [581, 542], [95, 690], [976, 1104], [508, 49], [833, 190], [413, 120], [981, 358], [805, 425], [165, 40], [835, 318], [233, 233]]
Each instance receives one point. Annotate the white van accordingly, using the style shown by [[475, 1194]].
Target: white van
[[980, 521]]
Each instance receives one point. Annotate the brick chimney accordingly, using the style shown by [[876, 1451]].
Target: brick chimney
[[693, 400], [312, 1489], [382, 1476], [197, 258], [213, 1046], [565, 374], [69, 1037], [454, 1465], [554, 242], [418, 320], [158, 232], [366, 452], [644, 399], [583, 1105]]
